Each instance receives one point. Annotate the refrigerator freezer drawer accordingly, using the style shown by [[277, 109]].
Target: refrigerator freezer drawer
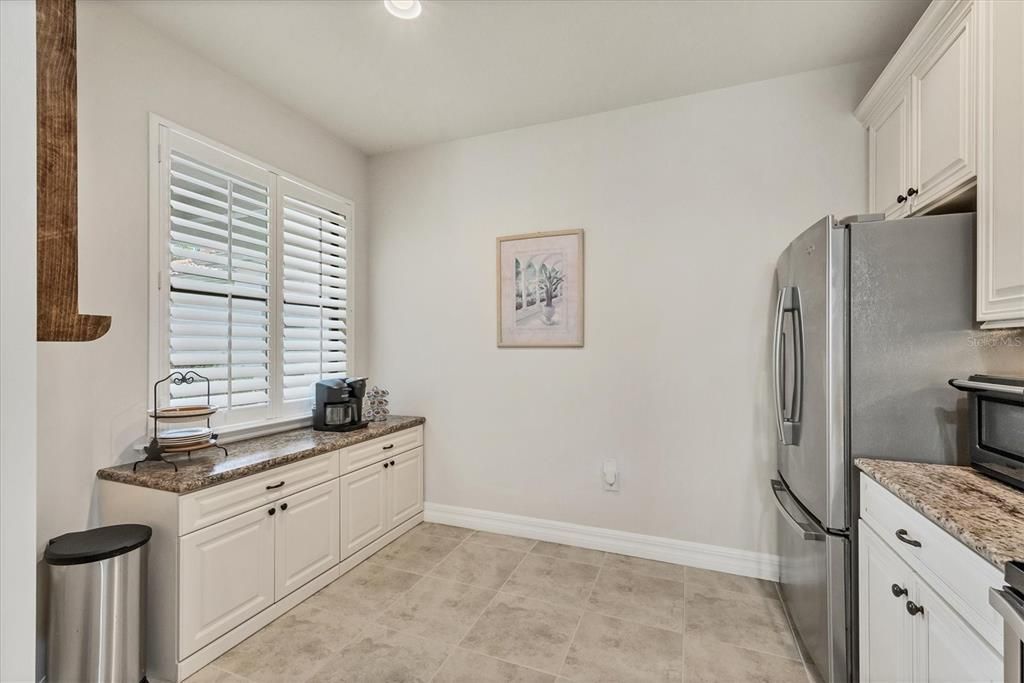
[[813, 579]]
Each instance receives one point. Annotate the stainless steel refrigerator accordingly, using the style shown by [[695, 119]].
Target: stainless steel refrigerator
[[872, 317]]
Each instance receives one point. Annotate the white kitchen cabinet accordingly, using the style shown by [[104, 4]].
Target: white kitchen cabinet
[[886, 635], [306, 539], [405, 486], [227, 576], [946, 649], [921, 115], [922, 595], [943, 117], [364, 511], [1000, 295], [889, 157], [227, 559], [945, 124]]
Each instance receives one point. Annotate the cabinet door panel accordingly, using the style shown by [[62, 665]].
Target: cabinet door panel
[[889, 153], [1001, 164], [946, 649], [405, 488], [307, 541], [363, 508], [227, 576], [885, 629], [944, 116]]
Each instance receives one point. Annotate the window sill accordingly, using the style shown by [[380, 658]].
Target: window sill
[[247, 430]]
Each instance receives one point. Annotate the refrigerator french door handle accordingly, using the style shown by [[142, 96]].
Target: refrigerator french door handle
[[809, 531], [777, 377], [796, 408]]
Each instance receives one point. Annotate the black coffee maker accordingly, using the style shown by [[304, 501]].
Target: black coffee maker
[[339, 404]]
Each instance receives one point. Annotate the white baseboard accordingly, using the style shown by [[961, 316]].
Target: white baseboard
[[701, 555]]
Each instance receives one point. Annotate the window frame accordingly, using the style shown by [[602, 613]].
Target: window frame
[[277, 416]]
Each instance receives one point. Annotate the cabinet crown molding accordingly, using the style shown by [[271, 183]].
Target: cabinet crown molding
[[937, 14]]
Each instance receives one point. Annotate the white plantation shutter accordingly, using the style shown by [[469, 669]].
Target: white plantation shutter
[[219, 247], [252, 282], [314, 325]]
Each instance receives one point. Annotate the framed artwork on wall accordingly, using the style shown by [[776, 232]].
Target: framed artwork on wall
[[540, 289]]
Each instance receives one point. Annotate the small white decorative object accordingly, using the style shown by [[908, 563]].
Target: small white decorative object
[[375, 405]]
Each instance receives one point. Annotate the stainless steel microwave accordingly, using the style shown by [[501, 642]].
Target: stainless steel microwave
[[996, 426]]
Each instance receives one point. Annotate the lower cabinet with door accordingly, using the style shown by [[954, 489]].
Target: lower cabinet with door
[[228, 559], [923, 608]]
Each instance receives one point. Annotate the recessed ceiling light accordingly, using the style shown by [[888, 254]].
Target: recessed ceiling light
[[404, 9]]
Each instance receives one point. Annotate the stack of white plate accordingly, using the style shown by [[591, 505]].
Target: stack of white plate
[[186, 436]]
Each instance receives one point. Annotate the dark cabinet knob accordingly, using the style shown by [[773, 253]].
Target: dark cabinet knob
[[902, 535], [388, 447], [913, 608], [898, 590], [271, 511], [284, 506], [900, 199], [385, 465], [392, 463], [911, 191]]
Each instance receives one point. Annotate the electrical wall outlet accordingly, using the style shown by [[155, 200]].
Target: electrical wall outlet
[[610, 475]]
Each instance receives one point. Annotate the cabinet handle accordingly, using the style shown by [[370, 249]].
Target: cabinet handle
[[902, 535], [898, 590], [900, 199], [913, 608], [911, 191], [271, 511], [388, 447], [392, 463], [275, 486], [385, 465], [284, 506]]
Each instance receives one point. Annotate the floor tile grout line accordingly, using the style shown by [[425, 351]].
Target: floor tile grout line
[[583, 613]]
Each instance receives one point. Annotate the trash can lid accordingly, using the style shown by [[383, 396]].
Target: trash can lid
[[94, 545]]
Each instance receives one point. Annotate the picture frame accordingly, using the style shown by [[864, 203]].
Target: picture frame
[[540, 289]]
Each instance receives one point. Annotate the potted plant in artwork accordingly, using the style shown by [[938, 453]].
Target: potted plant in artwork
[[552, 284]]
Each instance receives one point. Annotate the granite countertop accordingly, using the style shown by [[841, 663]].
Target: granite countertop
[[209, 466], [983, 514]]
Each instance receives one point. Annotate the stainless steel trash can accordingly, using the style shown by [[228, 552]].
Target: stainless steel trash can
[[98, 605]]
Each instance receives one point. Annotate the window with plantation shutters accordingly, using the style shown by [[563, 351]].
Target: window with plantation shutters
[[314, 290], [251, 284]]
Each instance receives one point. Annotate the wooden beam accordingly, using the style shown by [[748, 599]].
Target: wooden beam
[[58, 318]]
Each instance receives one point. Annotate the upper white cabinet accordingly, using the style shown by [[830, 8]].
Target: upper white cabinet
[[946, 116], [889, 156], [1001, 165], [942, 124]]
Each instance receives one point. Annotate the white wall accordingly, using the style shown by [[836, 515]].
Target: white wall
[[92, 396], [686, 204], [17, 339]]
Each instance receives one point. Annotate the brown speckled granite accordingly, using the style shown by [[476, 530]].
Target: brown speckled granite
[[983, 514], [209, 466]]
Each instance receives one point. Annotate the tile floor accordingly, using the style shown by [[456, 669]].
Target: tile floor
[[447, 604]]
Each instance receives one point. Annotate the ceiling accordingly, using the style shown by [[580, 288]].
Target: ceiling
[[466, 68]]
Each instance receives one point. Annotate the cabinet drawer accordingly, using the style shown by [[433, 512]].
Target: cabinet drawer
[[203, 508], [953, 570], [369, 452]]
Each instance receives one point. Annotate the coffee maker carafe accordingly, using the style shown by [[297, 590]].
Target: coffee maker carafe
[[339, 404]]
